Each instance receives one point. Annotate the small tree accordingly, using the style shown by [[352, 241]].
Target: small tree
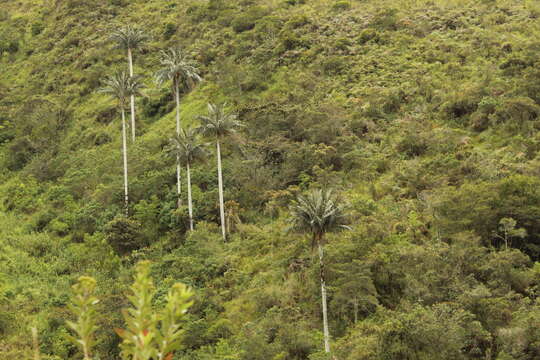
[[318, 213], [129, 38], [219, 124], [187, 149], [507, 231]]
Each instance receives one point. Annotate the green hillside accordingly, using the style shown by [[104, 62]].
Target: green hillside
[[422, 116]]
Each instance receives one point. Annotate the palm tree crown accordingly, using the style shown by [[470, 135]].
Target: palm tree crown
[[186, 147], [179, 68], [218, 123], [128, 37], [318, 212], [121, 86]]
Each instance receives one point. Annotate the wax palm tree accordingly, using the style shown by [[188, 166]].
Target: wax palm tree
[[121, 86], [129, 38], [218, 124], [187, 149], [183, 73], [318, 213]]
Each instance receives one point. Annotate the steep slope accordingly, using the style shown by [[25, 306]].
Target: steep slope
[[423, 115]]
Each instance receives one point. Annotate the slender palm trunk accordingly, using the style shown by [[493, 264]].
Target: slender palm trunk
[[190, 204], [220, 184], [178, 180], [124, 151], [323, 295], [355, 305], [130, 60], [35, 343]]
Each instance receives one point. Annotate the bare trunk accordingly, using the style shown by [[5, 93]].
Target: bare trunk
[[35, 343], [323, 295], [124, 151], [178, 179], [220, 184], [355, 310], [130, 59], [190, 204]]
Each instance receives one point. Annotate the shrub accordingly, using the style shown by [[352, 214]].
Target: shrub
[[123, 234], [343, 44], [246, 21], [385, 19], [367, 35], [294, 2], [37, 28], [341, 5], [169, 30], [297, 21], [333, 65]]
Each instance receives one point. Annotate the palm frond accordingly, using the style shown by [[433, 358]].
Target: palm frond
[[121, 86], [186, 147], [128, 37], [317, 212], [218, 123], [179, 68]]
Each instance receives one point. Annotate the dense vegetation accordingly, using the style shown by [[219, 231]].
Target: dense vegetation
[[422, 116]]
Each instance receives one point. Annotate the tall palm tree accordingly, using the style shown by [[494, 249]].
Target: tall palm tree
[[129, 38], [219, 124], [318, 213], [121, 86], [186, 148], [183, 73]]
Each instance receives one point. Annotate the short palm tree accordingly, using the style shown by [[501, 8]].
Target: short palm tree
[[318, 213], [182, 71], [187, 149], [129, 38], [218, 124], [121, 86]]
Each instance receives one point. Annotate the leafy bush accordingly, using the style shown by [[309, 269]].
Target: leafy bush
[[341, 5], [37, 28], [246, 21], [367, 35], [123, 234]]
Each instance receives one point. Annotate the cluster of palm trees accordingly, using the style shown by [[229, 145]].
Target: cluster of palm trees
[[182, 72], [316, 213]]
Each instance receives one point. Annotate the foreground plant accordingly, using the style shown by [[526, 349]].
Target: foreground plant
[[83, 305], [149, 334]]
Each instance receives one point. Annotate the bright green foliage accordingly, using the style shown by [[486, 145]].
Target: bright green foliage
[[169, 336], [150, 334], [83, 305], [139, 338]]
